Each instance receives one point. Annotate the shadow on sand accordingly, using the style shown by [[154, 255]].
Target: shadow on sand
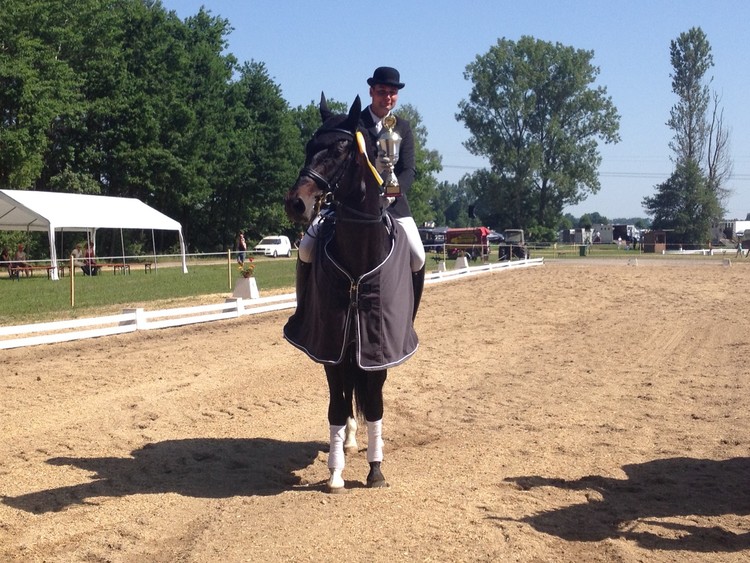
[[208, 468], [663, 488]]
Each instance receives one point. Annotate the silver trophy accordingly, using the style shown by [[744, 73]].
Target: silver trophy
[[389, 144]]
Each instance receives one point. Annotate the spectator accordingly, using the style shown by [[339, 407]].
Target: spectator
[[20, 260], [5, 259], [89, 261], [77, 255], [241, 246]]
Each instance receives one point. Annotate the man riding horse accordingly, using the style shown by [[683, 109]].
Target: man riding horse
[[361, 266], [385, 85]]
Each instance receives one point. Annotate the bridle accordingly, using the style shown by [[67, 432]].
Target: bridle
[[329, 187]]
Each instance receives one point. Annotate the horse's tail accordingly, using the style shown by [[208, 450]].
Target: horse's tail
[[357, 382]]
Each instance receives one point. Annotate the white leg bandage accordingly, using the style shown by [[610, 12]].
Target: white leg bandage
[[375, 440], [336, 458]]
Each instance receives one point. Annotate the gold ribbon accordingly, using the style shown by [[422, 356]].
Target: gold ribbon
[[363, 151]]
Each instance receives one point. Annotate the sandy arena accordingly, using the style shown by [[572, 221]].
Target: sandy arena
[[581, 411]]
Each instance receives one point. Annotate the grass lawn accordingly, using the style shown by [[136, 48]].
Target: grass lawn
[[38, 299]]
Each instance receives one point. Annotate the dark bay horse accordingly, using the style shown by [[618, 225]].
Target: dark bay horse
[[354, 298]]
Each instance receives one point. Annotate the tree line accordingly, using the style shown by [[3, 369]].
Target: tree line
[[123, 98]]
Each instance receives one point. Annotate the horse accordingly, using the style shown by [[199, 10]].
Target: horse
[[355, 301]]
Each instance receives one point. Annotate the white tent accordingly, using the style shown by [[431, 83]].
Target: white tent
[[22, 210]]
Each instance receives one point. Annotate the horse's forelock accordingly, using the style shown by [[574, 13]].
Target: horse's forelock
[[327, 135]]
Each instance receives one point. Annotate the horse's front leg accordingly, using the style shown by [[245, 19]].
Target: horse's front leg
[[373, 410], [338, 413]]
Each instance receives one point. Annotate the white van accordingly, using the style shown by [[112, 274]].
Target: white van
[[276, 245]]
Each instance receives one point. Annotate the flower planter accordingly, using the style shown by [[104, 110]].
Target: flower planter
[[246, 288]]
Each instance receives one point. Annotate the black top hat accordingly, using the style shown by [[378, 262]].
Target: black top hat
[[386, 75]]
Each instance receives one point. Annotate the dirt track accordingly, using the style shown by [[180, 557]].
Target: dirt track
[[578, 411]]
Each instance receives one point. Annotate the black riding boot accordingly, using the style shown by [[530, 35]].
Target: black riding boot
[[417, 282], [302, 280]]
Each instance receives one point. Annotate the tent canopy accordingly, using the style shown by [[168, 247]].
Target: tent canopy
[[22, 210]]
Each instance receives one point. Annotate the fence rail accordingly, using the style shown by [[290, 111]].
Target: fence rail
[[131, 320]]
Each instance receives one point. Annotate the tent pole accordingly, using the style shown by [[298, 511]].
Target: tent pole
[[122, 246], [153, 247]]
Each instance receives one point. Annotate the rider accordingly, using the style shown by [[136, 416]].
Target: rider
[[385, 84]]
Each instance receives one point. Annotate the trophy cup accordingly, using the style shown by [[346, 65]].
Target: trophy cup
[[389, 143]]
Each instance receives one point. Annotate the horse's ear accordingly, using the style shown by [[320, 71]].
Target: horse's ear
[[325, 113], [352, 121]]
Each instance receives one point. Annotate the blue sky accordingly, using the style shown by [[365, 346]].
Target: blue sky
[[333, 46]]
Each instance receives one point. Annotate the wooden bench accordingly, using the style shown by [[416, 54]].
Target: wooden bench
[[147, 267], [117, 267], [15, 271]]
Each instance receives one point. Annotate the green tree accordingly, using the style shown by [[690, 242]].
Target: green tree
[[265, 157], [534, 113], [690, 55], [690, 200], [307, 118], [684, 204], [36, 87], [427, 163]]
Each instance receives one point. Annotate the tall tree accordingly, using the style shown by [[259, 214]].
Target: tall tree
[[36, 87], [718, 161], [691, 199], [534, 113], [690, 55], [684, 204], [265, 155]]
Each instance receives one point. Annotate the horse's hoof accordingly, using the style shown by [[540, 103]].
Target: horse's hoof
[[351, 448], [375, 478], [335, 484], [334, 490]]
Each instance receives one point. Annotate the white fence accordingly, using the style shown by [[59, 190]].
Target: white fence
[[138, 319]]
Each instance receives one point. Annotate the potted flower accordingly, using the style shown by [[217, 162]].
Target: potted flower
[[247, 268], [245, 285]]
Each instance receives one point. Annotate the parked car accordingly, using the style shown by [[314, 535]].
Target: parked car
[[276, 245]]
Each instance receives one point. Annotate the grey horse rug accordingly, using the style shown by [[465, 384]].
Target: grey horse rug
[[374, 312]]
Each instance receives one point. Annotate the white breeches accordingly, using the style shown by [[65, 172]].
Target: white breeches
[[307, 246]]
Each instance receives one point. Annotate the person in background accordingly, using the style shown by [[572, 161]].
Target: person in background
[[20, 260], [77, 255], [89, 263], [5, 259], [241, 246]]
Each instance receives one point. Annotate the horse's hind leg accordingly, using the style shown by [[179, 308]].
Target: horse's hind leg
[[350, 436], [374, 415]]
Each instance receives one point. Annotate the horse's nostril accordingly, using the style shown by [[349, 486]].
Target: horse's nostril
[[298, 206]]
